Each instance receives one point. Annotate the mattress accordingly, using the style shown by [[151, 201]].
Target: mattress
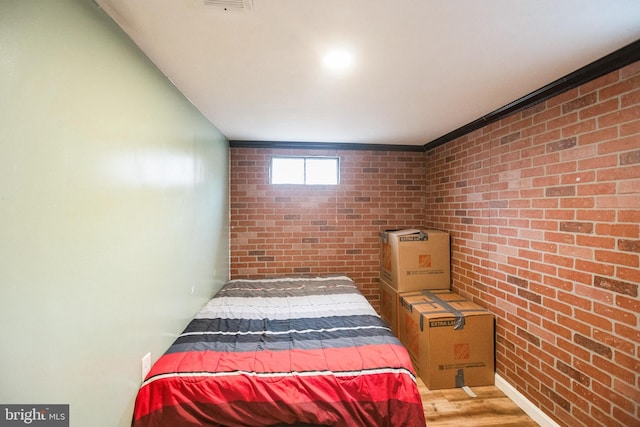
[[288, 351]]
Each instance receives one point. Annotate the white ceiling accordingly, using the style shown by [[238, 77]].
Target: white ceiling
[[421, 68]]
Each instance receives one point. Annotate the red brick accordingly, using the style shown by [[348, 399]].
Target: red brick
[[625, 418], [600, 82], [581, 127], [600, 109], [611, 367], [626, 395], [581, 203], [631, 275], [569, 119], [547, 114], [604, 242], [622, 316], [630, 158], [600, 215], [632, 216], [594, 267], [617, 258], [581, 417], [563, 97], [620, 201], [631, 98], [618, 229], [576, 276], [618, 286], [625, 331], [631, 128], [618, 343], [560, 237], [578, 103], [617, 89], [593, 398], [624, 360], [619, 144], [596, 189], [631, 187], [580, 178], [597, 163], [630, 70]]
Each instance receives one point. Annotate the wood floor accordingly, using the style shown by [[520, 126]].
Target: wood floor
[[455, 408]]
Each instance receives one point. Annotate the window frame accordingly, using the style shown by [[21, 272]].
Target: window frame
[[337, 162]]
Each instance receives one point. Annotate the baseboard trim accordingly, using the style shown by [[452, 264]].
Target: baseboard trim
[[525, 404]]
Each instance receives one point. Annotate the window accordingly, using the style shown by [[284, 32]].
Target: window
[[304, 170]]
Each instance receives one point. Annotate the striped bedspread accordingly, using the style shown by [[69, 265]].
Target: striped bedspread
[[305, 351]]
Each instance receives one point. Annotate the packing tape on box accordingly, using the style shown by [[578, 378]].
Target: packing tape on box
[[406, 305], [458, 315], [470, 392], [460, 383]]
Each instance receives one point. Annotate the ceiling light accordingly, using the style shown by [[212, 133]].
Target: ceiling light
[[338, 60]]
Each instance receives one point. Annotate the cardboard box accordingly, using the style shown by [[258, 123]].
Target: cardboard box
[[389, 303], [412, 260], [450, 339]]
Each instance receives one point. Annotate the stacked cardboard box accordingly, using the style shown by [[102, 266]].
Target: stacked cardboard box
[[415, 281], [449, 339], [411, 260], [415, 259]]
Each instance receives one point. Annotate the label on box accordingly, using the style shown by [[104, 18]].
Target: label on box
[[422, 273], [424, 261], [439, 323], [461, 366], [461, 351]]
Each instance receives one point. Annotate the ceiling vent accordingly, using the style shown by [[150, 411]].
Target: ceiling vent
[[230, 5]]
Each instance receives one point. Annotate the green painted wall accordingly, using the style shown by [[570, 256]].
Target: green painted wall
[[114, 210]]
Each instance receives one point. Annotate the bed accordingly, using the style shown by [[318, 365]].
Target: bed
[[286, 351]]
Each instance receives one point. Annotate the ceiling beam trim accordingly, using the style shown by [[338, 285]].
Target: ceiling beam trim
[[324, 146]]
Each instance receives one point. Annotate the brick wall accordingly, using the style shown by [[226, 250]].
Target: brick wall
[[544, 212], [316, 230]]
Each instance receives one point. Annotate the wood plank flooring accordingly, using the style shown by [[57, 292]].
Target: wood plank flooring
[[455, 408]]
